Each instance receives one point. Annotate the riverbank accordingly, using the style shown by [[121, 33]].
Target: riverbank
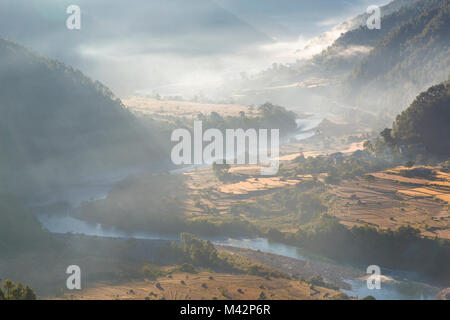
[[333, 274], [113, 268], [110, 255]]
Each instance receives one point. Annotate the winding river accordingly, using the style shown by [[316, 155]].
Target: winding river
[[395, 284]]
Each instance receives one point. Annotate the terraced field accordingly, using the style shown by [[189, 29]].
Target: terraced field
[[393, 200]]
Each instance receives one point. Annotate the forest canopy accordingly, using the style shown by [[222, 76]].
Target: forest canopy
[[426, 121]]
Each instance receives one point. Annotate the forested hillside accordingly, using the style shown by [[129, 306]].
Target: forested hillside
[[377, 70], [352, 46], [426, 121], [408, 60], [56, 124], [386, 10]]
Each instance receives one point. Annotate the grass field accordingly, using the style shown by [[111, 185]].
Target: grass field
[[179, 109], [207, 286]]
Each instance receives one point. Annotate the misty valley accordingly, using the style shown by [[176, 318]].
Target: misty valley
[[225, 150]]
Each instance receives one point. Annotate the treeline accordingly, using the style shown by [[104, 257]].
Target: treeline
[[425, 123], [15, 291], [303, 203], [191, 249], [338, 166], [332, 59], [155, 203], [268, 116], [149, 220], [402, 249], [416, 134], [191, 252]]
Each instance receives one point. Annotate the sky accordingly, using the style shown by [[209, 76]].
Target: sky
[[169, 45]]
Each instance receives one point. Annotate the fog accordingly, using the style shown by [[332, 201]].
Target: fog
[[176, 47], [113, 141]]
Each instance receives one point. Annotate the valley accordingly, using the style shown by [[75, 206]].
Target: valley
[[159, 181]]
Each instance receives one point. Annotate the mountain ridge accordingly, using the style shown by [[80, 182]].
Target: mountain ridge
[[57, 122]]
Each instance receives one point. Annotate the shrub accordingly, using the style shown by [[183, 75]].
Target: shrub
[[152, 272]]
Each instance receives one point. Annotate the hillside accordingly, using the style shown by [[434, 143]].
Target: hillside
[[425, 123], [386, 10], [351, 47], [409, 59], [363, 68], [58, 125]]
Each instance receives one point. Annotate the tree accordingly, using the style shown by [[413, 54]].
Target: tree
[[409, 164], [368, 146], [310, 204], [28, 294], [8, 285], [17, 291], [220, 169], [152, 272], [446, 165], [333, 176], [423, 126], [387, 136], [369, 178]]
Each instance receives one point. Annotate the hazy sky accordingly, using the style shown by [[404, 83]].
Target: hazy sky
[[150, 44]]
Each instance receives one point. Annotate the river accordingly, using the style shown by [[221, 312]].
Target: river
[[395, 284]]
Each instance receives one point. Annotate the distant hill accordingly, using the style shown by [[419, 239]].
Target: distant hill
[[425, 123], [126, 29], [354, 45], [58, 125], [355, 69], [410, 58], [386, 10]]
